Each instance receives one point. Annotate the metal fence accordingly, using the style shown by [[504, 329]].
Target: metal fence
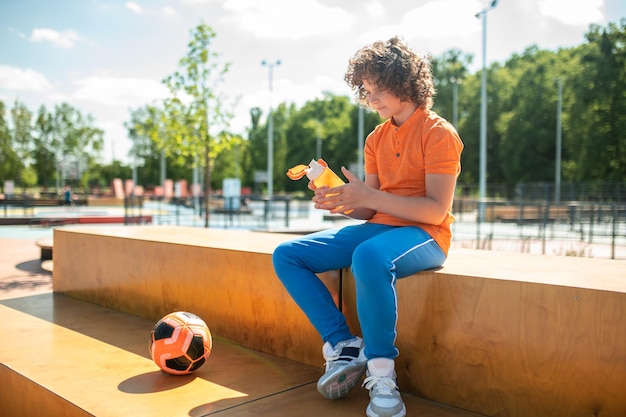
[[572, 229], [569, 229], [575, 228], [607, 192], [248, 212]]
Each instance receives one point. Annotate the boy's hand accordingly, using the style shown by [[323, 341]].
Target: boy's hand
[[342, 199]]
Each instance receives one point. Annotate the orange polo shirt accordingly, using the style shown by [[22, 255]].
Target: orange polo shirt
[[403, 156]]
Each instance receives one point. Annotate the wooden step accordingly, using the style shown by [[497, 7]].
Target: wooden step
[[64, 357]]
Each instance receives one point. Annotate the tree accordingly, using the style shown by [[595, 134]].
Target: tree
[[598, 113], [526, 124], [450, 70], [332, 119], [199, 73], [143, 131], [76, 143], [22, 138], [44, 144], [9, 160]]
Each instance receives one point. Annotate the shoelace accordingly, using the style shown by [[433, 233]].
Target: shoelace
[[331, 359], [336, 355], [384, 385]]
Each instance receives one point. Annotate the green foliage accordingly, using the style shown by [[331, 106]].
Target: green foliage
[[522, 113], [28, 177], [331, 120], [597, 114], [37, 149], [451, 71], [9, 160], [44, 147]]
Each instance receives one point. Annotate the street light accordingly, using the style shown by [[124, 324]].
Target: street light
[[270, 134], [360, 140], [455, 100], [482, 184], [557, 174]]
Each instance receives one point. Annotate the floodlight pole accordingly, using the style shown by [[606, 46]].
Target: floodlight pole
[[361, 140], [455, 101], [270, 136], [557, 174], [482, 183]]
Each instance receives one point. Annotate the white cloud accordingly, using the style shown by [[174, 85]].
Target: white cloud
[[275, 19], [64, 39], [439, 19], [165, 11], [195, 2], [119, 92], [443, 19], [168, 11], [285, 91], [573, 12], [132, 6], [375, 9], [18, 79]]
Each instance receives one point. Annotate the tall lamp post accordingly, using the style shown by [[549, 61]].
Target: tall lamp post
[[270, 135], [557, 173], [361, 140], [482, 183], [455, 101]]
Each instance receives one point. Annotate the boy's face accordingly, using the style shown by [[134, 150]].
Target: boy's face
[[387, 104]]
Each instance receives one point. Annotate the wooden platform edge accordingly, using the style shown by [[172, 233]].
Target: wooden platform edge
[[21, 396]]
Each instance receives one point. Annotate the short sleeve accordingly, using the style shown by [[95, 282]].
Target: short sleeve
[[369, 153], [442, 150]]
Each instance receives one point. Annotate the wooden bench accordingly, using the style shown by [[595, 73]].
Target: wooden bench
[[527, 214], [493, 333], [45, 244]]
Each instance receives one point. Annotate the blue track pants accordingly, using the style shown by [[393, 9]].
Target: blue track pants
[[378, 255]]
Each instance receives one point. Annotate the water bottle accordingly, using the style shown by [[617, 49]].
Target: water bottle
[[318, 172]]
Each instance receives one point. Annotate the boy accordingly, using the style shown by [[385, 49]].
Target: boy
[[412, 161]]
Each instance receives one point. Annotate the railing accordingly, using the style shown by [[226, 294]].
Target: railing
[[575, 228], [572, 229], [225, 212]]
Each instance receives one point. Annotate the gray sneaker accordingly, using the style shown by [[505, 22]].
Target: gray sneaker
[[345, 363], [385, 399]]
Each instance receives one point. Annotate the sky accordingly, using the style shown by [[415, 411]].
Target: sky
[[105, 57]]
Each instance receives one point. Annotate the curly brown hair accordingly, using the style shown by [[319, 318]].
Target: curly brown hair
[[394, 67]]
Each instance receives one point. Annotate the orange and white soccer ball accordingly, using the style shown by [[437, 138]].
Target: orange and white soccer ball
[[180, 343]]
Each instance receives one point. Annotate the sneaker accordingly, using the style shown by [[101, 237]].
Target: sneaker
[[345, 363], [385, 399]]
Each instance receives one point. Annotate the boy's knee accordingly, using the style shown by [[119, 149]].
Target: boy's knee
[[279, 252], [366, 259], [283, 253]]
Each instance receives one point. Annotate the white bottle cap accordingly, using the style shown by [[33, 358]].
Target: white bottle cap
[[314, 170]]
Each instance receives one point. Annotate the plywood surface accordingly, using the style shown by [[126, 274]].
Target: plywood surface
[[567, 271], [83, 360], [240, 240]]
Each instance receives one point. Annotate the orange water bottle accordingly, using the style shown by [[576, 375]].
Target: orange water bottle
[[318, 172]]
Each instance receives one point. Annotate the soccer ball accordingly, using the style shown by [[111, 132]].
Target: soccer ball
[[180, 343]]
